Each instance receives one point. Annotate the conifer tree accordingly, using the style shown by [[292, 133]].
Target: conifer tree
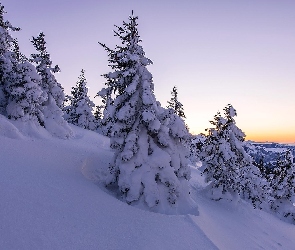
[[217, 154], [98, 118], [5, 27], [150, 162], [283, 185], [23, 90], [44, 68], [79, 112], [6, 50], [228, 167], [107, 106], [53, 104], [195, 146], [20, 93], [175, 104], [97, 112]]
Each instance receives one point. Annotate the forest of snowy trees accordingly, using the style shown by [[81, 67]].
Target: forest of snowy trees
[[153, 147]]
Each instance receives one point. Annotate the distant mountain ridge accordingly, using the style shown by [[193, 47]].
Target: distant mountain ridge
[[269, 151]]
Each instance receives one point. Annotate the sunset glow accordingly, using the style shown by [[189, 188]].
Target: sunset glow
[[216, 53], [276, 136]]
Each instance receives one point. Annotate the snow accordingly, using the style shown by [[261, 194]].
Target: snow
[[51, 198], [276, 150]]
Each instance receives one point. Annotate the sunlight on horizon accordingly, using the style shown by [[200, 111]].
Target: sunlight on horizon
[[279, 136], [215, 53]]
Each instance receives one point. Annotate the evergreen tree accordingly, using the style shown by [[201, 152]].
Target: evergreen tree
[[98, 118], [195, 146], [283, 185], [217, 154], [150, 162], [175, 104], [97, 112], [107, 107], [227, 166], [44, 68], [54, 99], [261, 166], [79, 112], [20, 94], [6, 50], [23, 90]]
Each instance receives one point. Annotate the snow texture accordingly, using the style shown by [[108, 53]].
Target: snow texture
[[51, 198]]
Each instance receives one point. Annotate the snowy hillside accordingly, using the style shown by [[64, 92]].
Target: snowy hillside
[[51, 198]]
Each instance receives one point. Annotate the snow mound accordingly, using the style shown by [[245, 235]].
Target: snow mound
[[7, 129], [47, 203], [18, 129]]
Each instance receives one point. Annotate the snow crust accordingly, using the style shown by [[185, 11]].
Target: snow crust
[[51, 198]]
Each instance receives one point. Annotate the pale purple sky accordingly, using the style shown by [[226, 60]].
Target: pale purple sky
[[215, 52]]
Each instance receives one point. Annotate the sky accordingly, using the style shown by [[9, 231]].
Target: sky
[[215, 52]]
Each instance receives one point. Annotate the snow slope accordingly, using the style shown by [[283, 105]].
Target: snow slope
[[50, 198]]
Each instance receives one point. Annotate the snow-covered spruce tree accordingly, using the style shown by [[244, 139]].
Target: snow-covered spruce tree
[[175, 104], [283, 186], [52, 107], [150, 164], [227, 166], [106, 95], [44, 67], [23, 89], [195, 146], [79, 111], [98, 118], [218, 169], [6, 49]]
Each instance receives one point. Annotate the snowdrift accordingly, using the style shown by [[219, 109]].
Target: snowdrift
[[51, 198]]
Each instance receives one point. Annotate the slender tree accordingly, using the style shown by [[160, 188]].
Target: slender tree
[[53, 104], [283, 185], [46, 70], [79, 112], [98, 118], [6, 51], [175, 104], [107, 106]]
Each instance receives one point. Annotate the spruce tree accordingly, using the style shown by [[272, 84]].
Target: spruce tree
[[219, 170], [20, 93], [227, 166], [175, 105], [53, 105], [46, 70], [79, 112], [150, 162], [195, 146], [283, 185], [107, 105], [98, 118], [6, 50], [97, 112], [23, 90], [6, 40]]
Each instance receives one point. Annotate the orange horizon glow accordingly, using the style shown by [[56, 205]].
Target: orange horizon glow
[[272, 137], [266, 136]]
